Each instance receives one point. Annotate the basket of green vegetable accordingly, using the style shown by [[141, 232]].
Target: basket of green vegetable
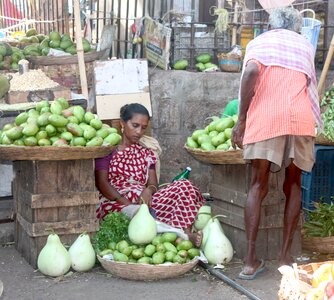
[[133, 249], [140, 271], [318, 231], [326, 137]]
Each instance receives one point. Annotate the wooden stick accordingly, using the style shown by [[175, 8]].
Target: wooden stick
[[326, 66], [235, 21], [80, 52]]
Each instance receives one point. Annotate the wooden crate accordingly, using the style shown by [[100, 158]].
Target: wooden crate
[[53, 195], [68, 75], [14, 97], [229, 186]]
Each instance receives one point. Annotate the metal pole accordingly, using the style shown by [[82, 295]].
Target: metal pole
[[229, 281]]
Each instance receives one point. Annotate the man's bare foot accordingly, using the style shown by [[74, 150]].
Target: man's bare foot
[[285, 261]]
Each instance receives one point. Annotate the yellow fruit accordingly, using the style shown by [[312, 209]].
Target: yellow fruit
[[315, 294], [322, 274]]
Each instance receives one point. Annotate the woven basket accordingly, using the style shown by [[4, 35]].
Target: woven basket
[[64, 60], [297, 290], [52, 153], [218, 157], [323, 245], [322, 140], [135, 271], [229, 62]]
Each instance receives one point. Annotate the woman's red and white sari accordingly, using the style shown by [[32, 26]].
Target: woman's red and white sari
[[176, 204]]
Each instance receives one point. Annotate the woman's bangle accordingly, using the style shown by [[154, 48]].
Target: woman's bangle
[[153, 186]]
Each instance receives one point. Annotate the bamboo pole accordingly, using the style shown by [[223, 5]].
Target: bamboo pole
[[235, 25], [326, 66], [80, 51]]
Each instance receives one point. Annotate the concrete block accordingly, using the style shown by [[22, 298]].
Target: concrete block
[[6, 233]]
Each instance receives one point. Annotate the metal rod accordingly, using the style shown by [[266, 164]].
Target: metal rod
[[28, 11], [153, 9], [126, 28], [105, 12], [144, 8], [44, 18], [229, 281], [2, 13], [119, 29], [11, 12], [57, 17], [48, 13], [136, 7], [52, 14], [97, 16], [149, 8], [38, 12], [91, 9]]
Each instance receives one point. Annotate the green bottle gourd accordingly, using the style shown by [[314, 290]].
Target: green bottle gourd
[[53, 260], [142, 228], [217, 249], [203, 216]]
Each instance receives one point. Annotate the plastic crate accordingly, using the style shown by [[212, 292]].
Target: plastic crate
[[319, 183]]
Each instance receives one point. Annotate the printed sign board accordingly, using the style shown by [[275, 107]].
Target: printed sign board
[[157, 42]]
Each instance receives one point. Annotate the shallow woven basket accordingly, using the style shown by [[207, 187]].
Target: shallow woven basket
[[64, 60], [52, 152], [322, 140], [135, 271], [218, 157], [323, 245], [289, 289]]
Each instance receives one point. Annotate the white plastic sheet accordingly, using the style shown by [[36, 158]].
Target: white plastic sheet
[[269, 4]]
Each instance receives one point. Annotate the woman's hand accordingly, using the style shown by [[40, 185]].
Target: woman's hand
[[147, 196], [238, 134], [124, 201]]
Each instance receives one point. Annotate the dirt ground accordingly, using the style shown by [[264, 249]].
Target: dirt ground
[[21, 281]]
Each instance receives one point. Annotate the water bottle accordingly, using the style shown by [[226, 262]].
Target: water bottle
[[183, 175]]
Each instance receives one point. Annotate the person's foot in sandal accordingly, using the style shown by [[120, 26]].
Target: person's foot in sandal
[[250, 273]]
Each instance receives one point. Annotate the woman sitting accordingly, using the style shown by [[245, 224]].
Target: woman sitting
[[127, 176]]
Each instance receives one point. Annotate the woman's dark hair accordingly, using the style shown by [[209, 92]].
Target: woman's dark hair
[[128, 110]]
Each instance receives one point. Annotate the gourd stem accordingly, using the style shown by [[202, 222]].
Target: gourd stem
[[219, 216]]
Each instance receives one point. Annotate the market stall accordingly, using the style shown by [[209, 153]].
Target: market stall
[[53, 187]]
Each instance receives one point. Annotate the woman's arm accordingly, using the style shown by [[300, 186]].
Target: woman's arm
[[151, 186], [109, 192]]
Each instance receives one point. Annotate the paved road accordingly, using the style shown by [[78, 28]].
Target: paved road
[[21, 281]]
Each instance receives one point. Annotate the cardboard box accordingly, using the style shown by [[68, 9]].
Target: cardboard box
[[119, 82]]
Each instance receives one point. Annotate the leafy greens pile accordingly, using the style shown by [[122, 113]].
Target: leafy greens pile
[[321, 220], [113, 228], [327, 108]]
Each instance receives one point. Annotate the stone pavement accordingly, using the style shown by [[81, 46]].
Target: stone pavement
[[21, 281]]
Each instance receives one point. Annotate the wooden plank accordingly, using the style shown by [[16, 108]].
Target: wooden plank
[[24, 174], [221, 193], [235, 177], [46, 177], [66, 199], [64, 227]]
